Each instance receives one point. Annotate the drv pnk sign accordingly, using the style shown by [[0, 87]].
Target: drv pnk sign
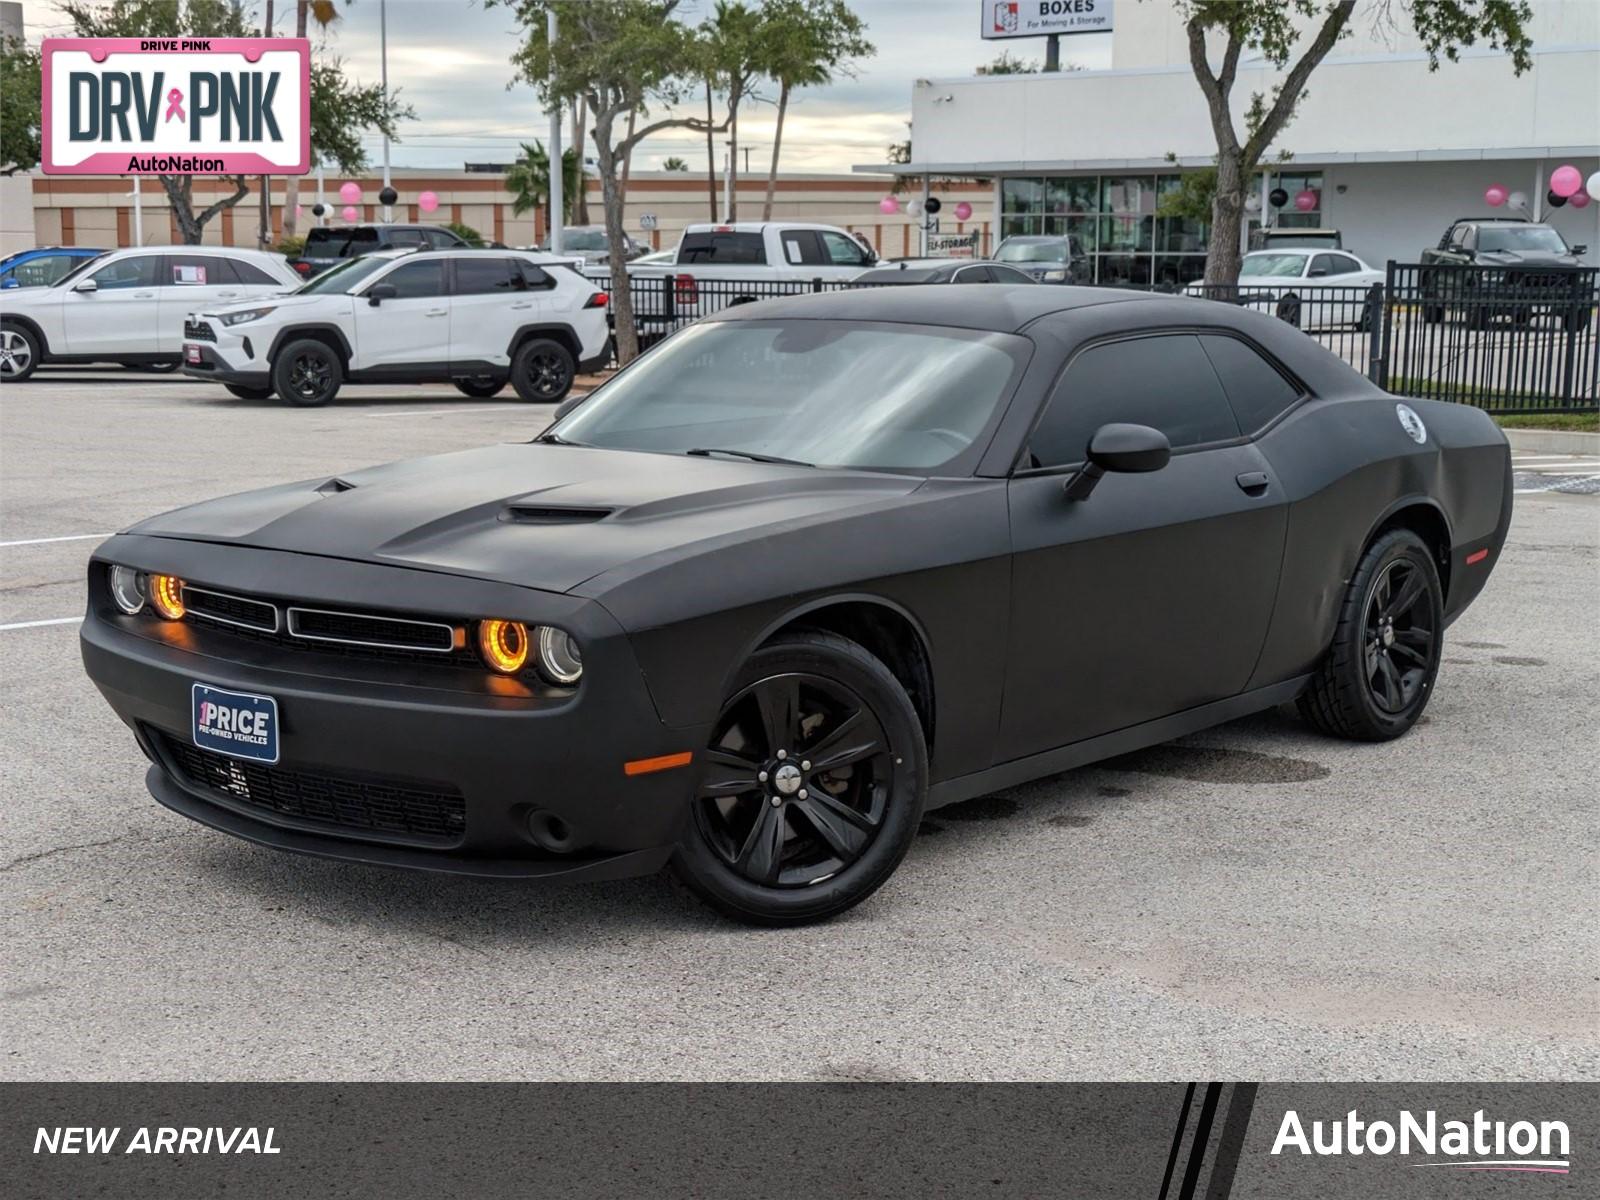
[[177, 106]]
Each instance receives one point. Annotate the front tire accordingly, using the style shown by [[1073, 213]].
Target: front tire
[[307, 373], [19, 352], [479, 389], [543, 371], [1377, 676], [812, 786], [248, 393]]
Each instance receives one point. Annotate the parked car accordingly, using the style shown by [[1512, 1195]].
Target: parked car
[[327, 245], [1311, 289], [128, 306], [809, 567], [43, 265], [1516, 268], [587, 245], [943, 270], [1295, 238], [474, 318], [1049, 259]]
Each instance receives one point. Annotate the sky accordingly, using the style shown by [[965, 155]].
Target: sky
[[449, 60]]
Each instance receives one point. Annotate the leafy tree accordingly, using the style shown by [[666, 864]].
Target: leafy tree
[[324, 13], [1009, 64], [528, 180], [622, 56], [466, 233], [1299, 34], [674, 163], [19, 114], [806, 43], [340, 107]]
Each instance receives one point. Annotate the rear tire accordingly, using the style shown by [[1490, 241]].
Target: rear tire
[[479, 388], [812, 788], [19, 352], [1376, 678], [307, 373], [248, 393], [543, 371]]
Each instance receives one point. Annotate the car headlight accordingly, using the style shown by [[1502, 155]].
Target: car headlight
[[249, 314], [127, 589], [504, 645], [166, 595], [560, 660], [1053, 276]]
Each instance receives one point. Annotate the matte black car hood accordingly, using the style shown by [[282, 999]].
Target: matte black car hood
[[541, 516]]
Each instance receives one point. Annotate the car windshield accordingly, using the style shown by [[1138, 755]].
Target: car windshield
[[829, 393], [1029, 252], [1540, 239], [1277, 266], [345, 277]]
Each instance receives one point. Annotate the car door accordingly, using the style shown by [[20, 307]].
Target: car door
[[120, 315], [192, 283], [489, 300], [1153, 595], [410, 328], [843, 256]]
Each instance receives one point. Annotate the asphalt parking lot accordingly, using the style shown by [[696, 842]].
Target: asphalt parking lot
[[1253, 902]]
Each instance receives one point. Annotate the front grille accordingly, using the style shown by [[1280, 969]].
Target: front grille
[[363, 629], [199, 331], [390, 809], [230, 609]]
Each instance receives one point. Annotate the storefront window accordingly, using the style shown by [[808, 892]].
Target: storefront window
[[1289, 216]]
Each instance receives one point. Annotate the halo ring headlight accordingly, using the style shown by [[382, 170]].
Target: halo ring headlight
[[166, 596], [560, 660], [127, 589], [504, 645]]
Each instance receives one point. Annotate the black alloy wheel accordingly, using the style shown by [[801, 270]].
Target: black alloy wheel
[[543, 371], [811, 786], [307, 373], [1380, 670]]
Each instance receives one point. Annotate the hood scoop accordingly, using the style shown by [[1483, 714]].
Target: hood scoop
[[334, 486], [555, 514]]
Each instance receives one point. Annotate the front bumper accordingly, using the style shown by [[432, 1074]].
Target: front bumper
[[511, 757], [223, 355]]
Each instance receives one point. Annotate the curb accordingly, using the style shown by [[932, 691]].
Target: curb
[[1554, 441]]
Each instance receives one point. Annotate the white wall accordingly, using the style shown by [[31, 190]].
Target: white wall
[[16, 213]]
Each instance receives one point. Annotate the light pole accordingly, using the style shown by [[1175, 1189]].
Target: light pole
[[383, 69], [558, 191]]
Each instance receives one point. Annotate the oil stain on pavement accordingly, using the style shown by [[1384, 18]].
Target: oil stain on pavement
[[1071, 820], [1514, 660], [1216, 764]]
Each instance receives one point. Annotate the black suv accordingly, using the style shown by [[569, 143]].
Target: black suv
[[327, 245], [1516, 266]]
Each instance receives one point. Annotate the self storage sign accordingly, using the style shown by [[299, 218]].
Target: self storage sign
[[177, 106]]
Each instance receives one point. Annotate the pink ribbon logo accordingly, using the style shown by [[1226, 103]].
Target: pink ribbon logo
[[175, 105]]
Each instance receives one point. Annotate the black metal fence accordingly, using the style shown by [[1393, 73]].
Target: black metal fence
[[1518, 340]]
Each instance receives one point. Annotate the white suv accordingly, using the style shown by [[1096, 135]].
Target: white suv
[[474, 318], [128, 306]]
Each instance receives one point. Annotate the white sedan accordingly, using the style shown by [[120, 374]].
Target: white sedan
[[1313, 289]]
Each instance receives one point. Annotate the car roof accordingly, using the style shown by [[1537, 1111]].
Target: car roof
[[202, 251], [1035, 237], [998, 308]]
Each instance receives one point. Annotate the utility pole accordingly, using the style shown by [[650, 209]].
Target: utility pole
[[558, 189], [264, 228], [383, 70], [727, 182], [1052, 52]]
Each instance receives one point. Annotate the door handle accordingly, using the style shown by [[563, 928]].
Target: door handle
[[437, 312], [1252, 483], [524, 304], [143, 295], [226, 295]]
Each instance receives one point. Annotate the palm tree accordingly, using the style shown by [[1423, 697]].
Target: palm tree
[[674, 164], [324, 13], [528, 179], [736, 53]]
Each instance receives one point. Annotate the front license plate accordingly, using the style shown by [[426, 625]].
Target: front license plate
[[191, 352], [235, 723]]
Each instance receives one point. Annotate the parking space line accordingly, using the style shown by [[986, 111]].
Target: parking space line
[[37, 624], [509, 405], [74, 537]]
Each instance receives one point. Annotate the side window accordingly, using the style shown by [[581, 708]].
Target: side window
[[1469, 237], [840, 250], [800, 247], [250, 273], [973, 275], [482, 276], [535, 277], [46, 269], [722, 247], [136, 272], [1255, 388], [404, 239], [1324, 264], [1008, 274], [1164, 381], [417, 279], [1347, 265], [441, 239]]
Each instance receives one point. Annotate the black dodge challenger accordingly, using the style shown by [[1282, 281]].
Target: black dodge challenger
[[804, 570]]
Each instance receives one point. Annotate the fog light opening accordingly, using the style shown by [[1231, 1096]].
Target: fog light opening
[[551, 832], [166, 596], [504, 645]]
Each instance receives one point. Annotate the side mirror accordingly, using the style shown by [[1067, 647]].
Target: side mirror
[[1125, 449], [1318, 271], [567, 405], [1580, 250], [87, 286], [379, 292]]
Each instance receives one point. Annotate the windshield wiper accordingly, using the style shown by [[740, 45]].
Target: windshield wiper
[[553, 439], [707, 452]]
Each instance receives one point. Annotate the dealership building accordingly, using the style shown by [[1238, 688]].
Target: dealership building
[[1387, 151]]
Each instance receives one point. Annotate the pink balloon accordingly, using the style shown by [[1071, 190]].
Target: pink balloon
[[350, 193], [427, 201], [1495, 195], [1566, 180], [1305, 200], [963, 211], [1579, 200], [298, 209], [350, 213], [888, 206]]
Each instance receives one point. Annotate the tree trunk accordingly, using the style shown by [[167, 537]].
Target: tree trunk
[[777, 143], [627, 159], [180, 194], [291, 185], [711, 155], [1227, 207], [626, 330], [580, 206], [733, 162]]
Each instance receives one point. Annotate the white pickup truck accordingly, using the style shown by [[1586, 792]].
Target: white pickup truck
[[720, 265]]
